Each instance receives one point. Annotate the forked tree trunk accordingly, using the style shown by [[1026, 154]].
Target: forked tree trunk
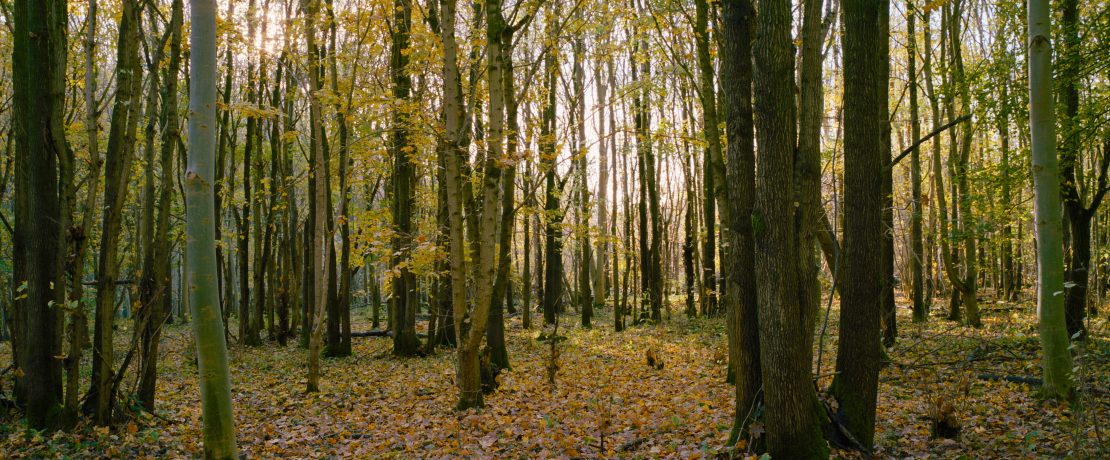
[[159, 267], [793, 413], [121, 141]]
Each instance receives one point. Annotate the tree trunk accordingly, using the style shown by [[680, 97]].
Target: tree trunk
[[321, 233], [582, 191], [121, 141], [917, 253], [78, 330], [159, 266], [38, 81], [208, 331], [1056, 358], [793, 413], [403, 316], [339, 341], [469, 375], [602, 245], [553, 238], [714, 166], [970, 237], [855, 386]]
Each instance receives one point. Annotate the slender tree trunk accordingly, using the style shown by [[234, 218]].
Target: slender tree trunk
[[208, 332], [917, 254], [553, 238], [602, 244], [1056, 358], [714, 163], [339, 339], [582, 191], [468, 377], [121, 141], [1078, 215], [321, 233], [403, 317], [495, 333], [224, 136], [78, 330], [887, 309], [161, 254], [967, 225], [651, 225]]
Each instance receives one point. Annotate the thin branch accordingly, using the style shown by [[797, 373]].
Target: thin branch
[[935, 132]]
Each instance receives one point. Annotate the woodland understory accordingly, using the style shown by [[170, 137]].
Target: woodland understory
[[606, 401], [554, 229]]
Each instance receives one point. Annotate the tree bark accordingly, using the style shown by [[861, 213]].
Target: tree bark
[[855, 386], [793, 413], [121, 151], [1056, 358], [403, 316], [38, 82], [208, 331]]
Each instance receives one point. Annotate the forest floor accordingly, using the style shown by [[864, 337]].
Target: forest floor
[[606, 402]]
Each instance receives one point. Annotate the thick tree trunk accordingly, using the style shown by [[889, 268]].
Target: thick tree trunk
[[38, 81], [793, 413], [740, 297], [855, 386]]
